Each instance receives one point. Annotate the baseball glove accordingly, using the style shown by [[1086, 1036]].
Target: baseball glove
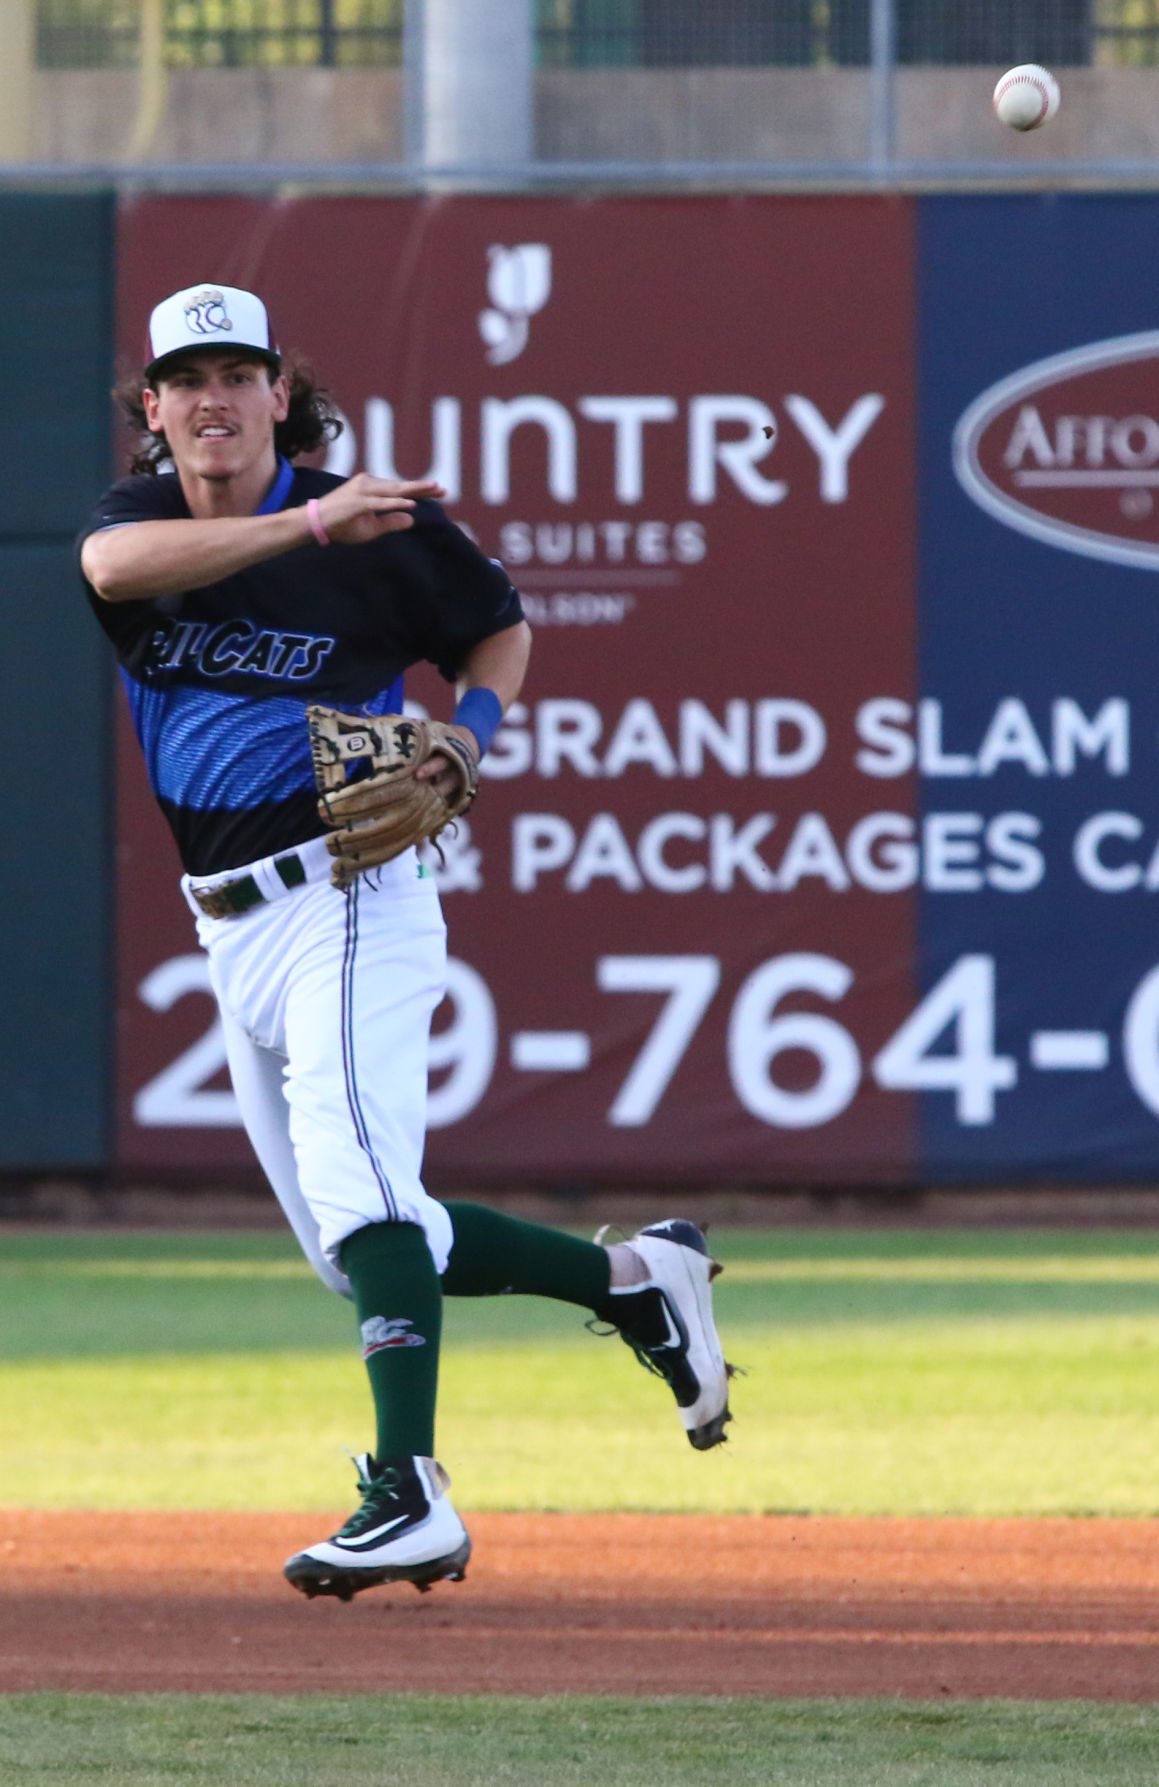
[[377, 815]]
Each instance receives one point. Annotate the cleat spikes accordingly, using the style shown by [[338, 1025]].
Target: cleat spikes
[[703, 1439]]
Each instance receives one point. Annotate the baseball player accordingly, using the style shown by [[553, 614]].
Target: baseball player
[[263, 616]]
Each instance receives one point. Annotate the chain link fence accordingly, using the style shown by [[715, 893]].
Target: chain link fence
[[837, 88], [615, 33], [812, 33], [223, 33]]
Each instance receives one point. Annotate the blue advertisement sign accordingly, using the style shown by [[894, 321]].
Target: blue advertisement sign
[[1036, 737]]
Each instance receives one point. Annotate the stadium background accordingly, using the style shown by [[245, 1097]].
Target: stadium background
[[822, 851], [820, 858]]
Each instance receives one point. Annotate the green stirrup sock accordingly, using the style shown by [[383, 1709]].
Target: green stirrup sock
[[400, 1313], [493, 1254]]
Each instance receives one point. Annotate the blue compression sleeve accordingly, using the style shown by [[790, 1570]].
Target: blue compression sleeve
[[482, 712]]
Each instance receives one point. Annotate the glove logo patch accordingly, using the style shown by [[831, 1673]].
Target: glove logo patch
[[370, 791]]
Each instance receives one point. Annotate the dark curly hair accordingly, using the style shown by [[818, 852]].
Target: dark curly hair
[[311, 421]]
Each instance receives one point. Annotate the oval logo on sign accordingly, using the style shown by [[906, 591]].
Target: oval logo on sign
[[1067, 450]]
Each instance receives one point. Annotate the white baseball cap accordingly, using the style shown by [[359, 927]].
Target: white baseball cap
[[209, 315]]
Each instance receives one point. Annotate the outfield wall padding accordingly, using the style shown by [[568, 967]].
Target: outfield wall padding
[[56, 893]]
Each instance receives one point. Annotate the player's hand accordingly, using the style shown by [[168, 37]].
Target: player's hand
[[437, 769], [365, 508]]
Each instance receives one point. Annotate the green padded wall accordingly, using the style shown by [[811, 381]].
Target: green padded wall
[[56, 299]]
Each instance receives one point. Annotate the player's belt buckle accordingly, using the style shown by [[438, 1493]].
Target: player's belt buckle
[[230, 899]]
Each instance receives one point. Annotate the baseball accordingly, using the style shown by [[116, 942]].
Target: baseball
[[1026, 96]]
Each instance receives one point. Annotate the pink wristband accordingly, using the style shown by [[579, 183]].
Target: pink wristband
[[315, 520]]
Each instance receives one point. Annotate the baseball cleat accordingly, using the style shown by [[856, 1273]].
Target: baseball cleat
[[668, 1323], [404, 1530]]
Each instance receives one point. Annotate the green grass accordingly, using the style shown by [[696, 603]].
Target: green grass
[[897, 1372], [894, 1372], [472, 1741]]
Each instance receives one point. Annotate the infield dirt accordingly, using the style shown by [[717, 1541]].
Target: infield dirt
[[625, 1603]]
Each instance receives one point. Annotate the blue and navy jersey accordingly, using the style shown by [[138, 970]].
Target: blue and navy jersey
[[218, 679]]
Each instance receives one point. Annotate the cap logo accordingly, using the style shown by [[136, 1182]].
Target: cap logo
[[205, 313]]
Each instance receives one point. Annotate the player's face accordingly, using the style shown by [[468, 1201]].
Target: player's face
[[217, 411]]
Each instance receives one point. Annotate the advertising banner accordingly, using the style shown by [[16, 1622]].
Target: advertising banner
[[1039, 721], [685, 426], [818, 849]]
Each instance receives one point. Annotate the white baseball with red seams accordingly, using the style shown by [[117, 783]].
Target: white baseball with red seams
[[1026, 96]]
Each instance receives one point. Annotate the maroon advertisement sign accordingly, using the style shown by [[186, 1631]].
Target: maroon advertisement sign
[[681, 919]]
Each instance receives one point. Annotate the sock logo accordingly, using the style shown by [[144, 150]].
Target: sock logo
[[379, 1332]]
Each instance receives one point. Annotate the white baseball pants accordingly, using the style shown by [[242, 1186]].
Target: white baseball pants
[[326, 997]]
